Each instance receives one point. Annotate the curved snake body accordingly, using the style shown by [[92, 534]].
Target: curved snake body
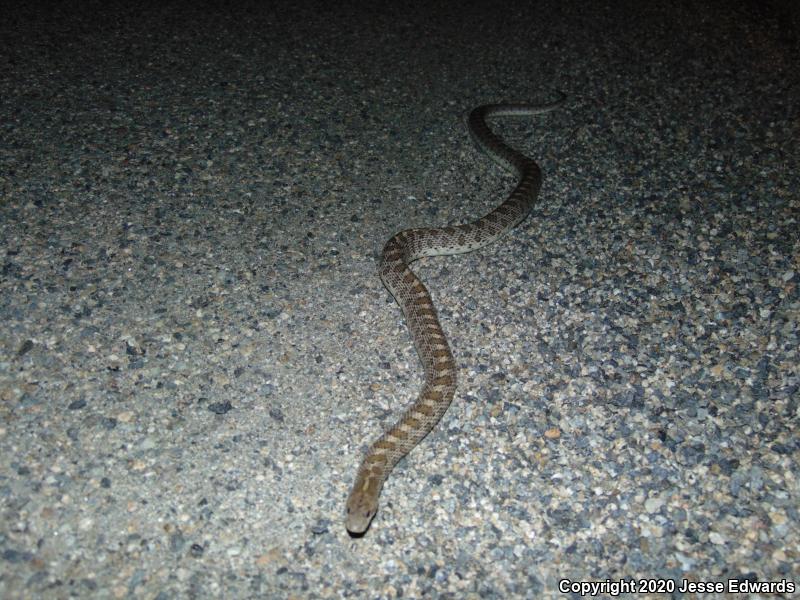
[[420, 314]]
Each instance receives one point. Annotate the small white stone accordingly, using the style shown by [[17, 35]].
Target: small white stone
[[653, 504], [716, 538]]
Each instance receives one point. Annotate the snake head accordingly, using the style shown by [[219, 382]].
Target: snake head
[[361, 506]]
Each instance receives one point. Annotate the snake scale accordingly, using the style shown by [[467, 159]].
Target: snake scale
[[420, 314]]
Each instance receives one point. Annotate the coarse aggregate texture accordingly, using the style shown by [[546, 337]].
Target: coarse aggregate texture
[[195, 348]]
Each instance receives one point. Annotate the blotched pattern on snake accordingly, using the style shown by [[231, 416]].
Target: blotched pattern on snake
[[420, 314]]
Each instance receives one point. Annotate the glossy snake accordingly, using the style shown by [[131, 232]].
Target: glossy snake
[[420, 314]]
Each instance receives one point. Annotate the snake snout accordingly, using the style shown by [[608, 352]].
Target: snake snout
[[358, 519]]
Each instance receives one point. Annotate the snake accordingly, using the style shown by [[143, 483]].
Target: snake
[[415, 301]]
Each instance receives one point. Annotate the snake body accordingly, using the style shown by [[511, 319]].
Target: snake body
[[420, 314]]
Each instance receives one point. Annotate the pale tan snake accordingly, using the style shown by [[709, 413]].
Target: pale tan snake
[[420, 314]]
